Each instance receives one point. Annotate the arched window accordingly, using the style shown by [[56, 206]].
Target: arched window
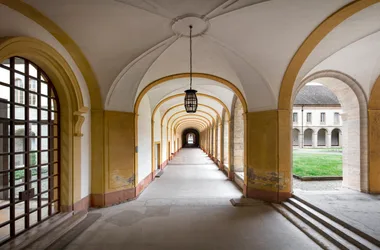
[[29, 147]]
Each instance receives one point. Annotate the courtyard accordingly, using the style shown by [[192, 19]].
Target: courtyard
[[317, 162]]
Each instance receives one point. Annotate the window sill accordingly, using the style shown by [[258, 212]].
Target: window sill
[[240, 175]]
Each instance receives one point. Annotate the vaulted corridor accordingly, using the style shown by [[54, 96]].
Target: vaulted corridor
[[188, 206], [189, 124]]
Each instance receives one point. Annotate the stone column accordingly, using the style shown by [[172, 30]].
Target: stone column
[[328, 140], [315, 139], [269, 168]]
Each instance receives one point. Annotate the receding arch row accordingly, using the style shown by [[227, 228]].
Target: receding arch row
[[181, 105], [187, 124], [194, 118], [195, 75], [192, 121], [198, 114], [183, 95], [164, 139]]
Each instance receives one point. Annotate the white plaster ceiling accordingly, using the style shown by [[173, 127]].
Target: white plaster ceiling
[[130, 43], [22, 26]]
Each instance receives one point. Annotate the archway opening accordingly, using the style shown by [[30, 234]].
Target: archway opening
[[162, 102], [330, 114], [190, 138]]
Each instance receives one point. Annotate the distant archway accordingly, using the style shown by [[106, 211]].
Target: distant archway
[[190, 138]]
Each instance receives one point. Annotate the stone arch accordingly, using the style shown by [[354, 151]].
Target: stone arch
[[71, 109], [290, 77], [355, 125]]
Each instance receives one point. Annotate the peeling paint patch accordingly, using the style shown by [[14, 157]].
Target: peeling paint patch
[[267, 179]]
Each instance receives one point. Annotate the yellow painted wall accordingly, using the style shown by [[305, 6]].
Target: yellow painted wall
[[97, 152], [374, 150], [119, 150], [263, 172]]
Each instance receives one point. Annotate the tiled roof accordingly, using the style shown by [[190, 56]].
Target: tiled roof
[[316, 95]]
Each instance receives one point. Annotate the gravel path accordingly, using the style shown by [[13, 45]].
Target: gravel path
[[316, 185]]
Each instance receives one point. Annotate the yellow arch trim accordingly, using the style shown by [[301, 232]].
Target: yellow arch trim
[[186, 114], [46, 58], [181, 119], [195, 75], [374, 98], [181, 104], [291, 73], [67, 42], [190, 121], [183, 95]]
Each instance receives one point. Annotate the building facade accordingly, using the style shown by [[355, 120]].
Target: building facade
[[316, 118]]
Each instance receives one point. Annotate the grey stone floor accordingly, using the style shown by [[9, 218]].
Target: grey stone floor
[[188, 207], [358, 209]]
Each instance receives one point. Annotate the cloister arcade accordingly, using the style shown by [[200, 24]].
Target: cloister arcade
[[118, 91], [321, 138]]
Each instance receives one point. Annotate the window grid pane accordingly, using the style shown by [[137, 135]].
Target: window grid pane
[[29, 146]]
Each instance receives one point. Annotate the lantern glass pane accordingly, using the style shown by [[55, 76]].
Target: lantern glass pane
[[191, 101]]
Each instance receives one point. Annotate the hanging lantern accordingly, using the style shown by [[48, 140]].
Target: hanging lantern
[[191, 100]]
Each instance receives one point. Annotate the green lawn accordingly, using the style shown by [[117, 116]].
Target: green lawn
[[305, 164]]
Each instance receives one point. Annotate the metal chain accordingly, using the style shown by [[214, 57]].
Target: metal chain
[[191, 57]]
